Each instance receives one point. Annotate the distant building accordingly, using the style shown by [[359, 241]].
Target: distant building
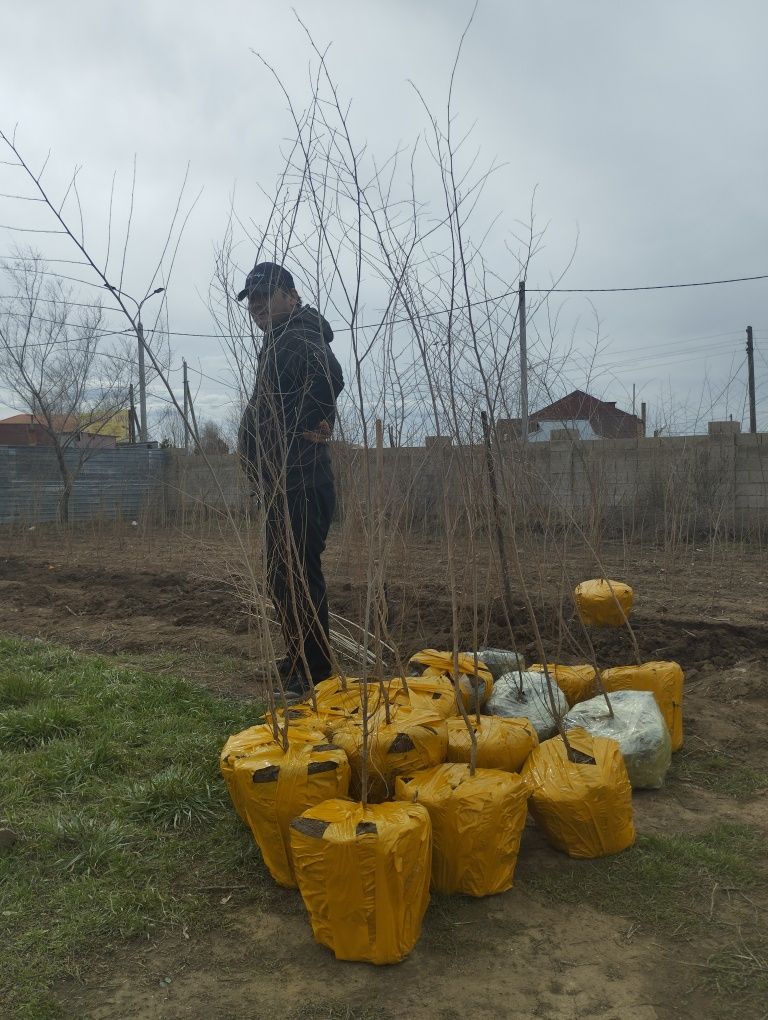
[[27, 430], [578, 415]]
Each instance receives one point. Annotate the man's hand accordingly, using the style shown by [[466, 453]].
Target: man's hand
[[320, 435]]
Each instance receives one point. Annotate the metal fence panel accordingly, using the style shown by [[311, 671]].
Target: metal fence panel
[[110, 484]]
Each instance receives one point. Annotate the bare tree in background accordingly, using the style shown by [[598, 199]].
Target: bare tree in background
[[52, 360], [212, 438]]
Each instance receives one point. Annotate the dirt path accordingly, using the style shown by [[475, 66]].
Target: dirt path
[[506, 957]]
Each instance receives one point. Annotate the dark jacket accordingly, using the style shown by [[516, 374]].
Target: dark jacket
[[297, 382]]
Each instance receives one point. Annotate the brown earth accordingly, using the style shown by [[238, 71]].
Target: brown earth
[[514, 955]]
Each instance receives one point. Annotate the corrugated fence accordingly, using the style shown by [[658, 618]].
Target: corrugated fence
[[110, 484]]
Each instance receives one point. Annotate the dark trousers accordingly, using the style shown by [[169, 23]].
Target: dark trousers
[[297, 527]]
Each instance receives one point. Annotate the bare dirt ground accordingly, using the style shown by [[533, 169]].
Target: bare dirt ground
[[174, 602]]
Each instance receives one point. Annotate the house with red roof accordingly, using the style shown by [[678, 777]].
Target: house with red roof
[[582, 415]]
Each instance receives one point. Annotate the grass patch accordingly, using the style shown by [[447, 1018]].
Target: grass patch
[[110, 779], [662, 882], [668, 884], [32, 726], [717, 771]]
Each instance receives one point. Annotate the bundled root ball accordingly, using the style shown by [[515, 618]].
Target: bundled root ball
[[664, 680], [602, 603], [255, 740], [502, 743], [475, 681], [578, 683], [477, 822], [364, 876], [273, 786], [412, 740], [584, 807], [500, 661], [637, 726], [528, 696]]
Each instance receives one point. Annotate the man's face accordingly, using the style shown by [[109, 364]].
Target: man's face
[[270, 310]]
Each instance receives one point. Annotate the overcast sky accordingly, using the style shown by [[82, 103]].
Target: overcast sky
[[641, 125]]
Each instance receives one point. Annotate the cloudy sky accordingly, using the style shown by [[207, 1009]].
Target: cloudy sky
[[640, 125]]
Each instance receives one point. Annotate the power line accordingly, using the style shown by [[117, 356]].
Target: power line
[[654, 286], [506, 294], [31, 230], [43, 258]]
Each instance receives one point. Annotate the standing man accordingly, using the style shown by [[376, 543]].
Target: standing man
[[283, 446]]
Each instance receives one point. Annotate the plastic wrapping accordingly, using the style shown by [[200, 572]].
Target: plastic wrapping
[[273, 786], [664, 680], [413, 740], [477, 822], [637, 726], [584, 809], [432, 692], [337, 703], [364, 876], [534, 704], [256, 739], [596, 603], [431, 663], [500, 661], [501, 743], [578, 683]]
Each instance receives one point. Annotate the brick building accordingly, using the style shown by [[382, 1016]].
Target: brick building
[[582, 415], [27, 430]]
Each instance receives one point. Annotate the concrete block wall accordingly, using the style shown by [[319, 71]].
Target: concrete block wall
[[691, 483]]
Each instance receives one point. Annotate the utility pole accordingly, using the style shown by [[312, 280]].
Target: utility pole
[[186, 407], [523, 364], [633, 400], [139, 327], [131, 416], [751, 383], [188, 403], [142, 383]]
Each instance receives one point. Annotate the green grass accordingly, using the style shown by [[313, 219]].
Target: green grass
[[667, 884], [109, 776], [719, 772], [660, 881]]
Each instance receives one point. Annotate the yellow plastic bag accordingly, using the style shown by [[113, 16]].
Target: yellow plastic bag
[[337, 703], [596, 602], [664, 680], [432, 692], [434, 664], [273, 786], [412, 740], [578, 683], [364, 876], [502, 743], [584, 809], [255, 739], [477, 822]]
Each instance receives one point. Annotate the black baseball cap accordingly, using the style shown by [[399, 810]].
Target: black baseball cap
[[265, 278]]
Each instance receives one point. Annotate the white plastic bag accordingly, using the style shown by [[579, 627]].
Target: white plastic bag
[[500, 661], [533, 703], [637, 726]]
